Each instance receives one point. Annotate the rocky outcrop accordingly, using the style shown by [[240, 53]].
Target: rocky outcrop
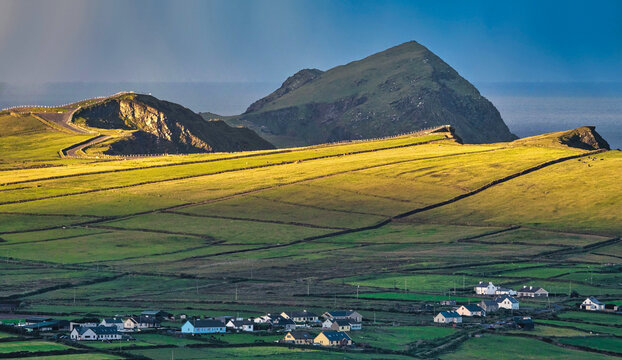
[[585, 138], [402, 89], [164, 127]]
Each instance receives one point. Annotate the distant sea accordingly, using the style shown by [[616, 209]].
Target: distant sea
[[527, 108]]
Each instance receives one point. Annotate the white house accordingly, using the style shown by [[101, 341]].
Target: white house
[[445, 317], [471, 310], [505, 291], [351, 315], [507, 302], [130, 324], [300, 316], [241, 325], [95, 333], [592, 304], [116, 322], [485, 288], [532, 291], [203, 327], [263, 319]]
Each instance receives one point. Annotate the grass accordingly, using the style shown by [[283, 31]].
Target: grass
[[263, 352], [592, 317], [499, 347], [88, 356], [415, 282], [414, 297], [398, 337], [550, 331], [30, 346], [595, 329], [559, 184], [596, 342]]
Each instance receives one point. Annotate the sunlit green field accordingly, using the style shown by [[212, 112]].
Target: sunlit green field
[[385, 227]]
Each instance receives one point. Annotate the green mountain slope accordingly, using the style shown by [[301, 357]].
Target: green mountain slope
[[402, 89]]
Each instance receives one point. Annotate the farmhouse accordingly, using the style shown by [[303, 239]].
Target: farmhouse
[[504, 291], [147, 322], [507, 302], [471, 310], [116, 322], [95, 333], [592, 304], [485, 288], [130, 324], [300, 316], [298, 338], [203, 327], [286, 324], [340, 325], [489, 305], [333, 338], [445, 317], [344, 314], [241, 325], [532, 291]]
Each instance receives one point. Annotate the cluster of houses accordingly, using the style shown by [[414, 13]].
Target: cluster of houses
[[335, 326], [115, 328], [489, 289], [485, 306]]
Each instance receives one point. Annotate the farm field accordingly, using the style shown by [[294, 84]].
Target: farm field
[[596, 342], [388, 227]]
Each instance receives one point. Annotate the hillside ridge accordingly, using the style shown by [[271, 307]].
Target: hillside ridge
[[401, 89]]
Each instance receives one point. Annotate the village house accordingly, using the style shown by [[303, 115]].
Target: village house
[[51, 325], [156, 314], [351, 315], [592, 304], [300, 316], [130, 324], [203, 327], [241, 325], [333, 338], [116, 322], [483, 288], [471, 310], [507, 302], [281, 322], [100, 333], [489, 305], [445, 317], [340, 325], [147, 322], [298, 338], [505, 291], [532, 291], [263, 319]]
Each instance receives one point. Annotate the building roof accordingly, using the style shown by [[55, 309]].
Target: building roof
[[340, 313], [450, 314], [279, 320], [473, 308], [530, 289], [336, 335], [594, 300], [512, 300], [238, 323], [98, 330], [45, 324], [301, 335], [155, 313], [36, 319], [483, 284], [341, 322], [488, 302], [207, 323], [303, 313], [113, 321]]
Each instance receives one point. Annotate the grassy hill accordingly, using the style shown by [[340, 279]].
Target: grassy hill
[[402, 221], [401, 89]]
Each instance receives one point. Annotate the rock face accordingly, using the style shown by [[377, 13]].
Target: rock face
[[165, 127], [585, 138], [402, 89]]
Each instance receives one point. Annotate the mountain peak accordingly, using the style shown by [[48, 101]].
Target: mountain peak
[[402, 89]]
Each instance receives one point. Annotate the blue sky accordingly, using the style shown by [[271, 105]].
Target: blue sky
[[266, 41]]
